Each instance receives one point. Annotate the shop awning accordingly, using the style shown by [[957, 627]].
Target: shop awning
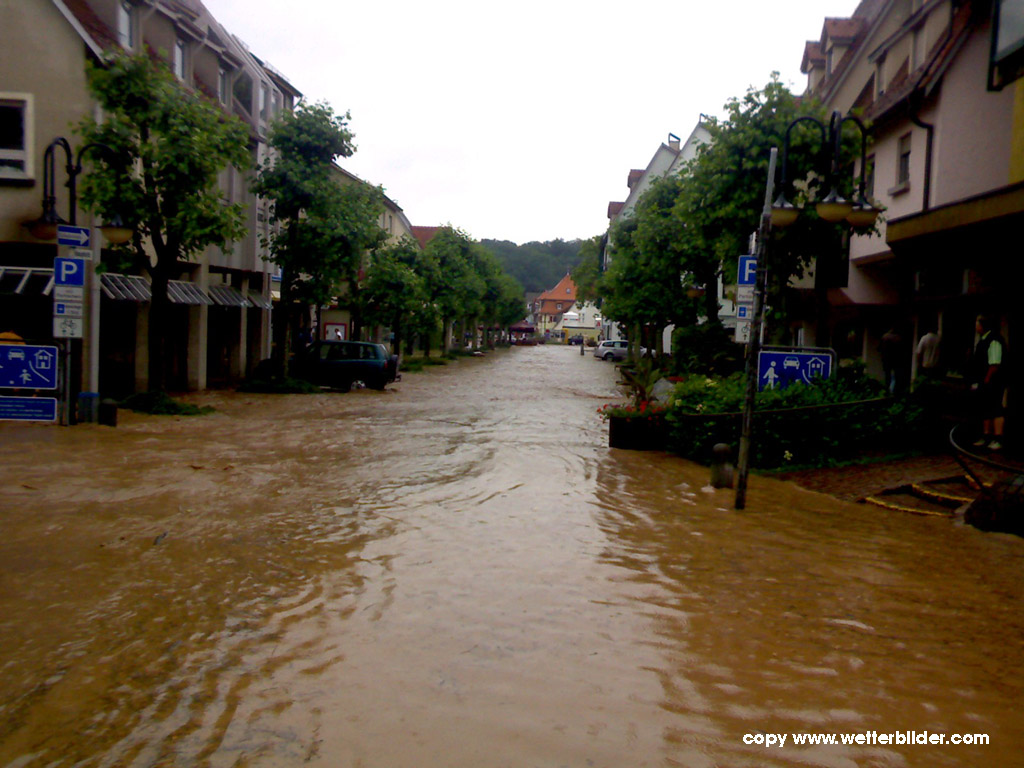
[[259, 301], [184, 292], [125, 287], [26, 280], [228, 296]]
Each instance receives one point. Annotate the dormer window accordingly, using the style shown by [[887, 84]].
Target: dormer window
[[126, 25]]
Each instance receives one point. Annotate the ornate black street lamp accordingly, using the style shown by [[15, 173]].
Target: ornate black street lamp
[[45, 227], [859, 212]]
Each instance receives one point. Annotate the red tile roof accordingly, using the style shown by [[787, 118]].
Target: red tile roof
[[842, 31], [564, 293], [634, 176], [813, 56], [424, 235], [614, 209], [102, 34]]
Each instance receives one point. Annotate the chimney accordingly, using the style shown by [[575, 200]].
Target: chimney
[[673, 142]]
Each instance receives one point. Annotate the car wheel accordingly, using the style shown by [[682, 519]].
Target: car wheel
[[610, 356]]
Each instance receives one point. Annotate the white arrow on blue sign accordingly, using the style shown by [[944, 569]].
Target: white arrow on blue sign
[[69, 272], [69, 235]]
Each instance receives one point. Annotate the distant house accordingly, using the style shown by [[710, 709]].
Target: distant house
[[551, 305]]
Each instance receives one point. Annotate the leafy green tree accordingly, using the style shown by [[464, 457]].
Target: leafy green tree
[[587, 274], [322, 227], [457, 287], [168, 147], [395, 291]]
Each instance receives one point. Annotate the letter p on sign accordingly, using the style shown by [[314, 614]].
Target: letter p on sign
[[69, 272]]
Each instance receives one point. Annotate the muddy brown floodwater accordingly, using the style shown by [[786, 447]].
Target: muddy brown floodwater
[[460, 572]]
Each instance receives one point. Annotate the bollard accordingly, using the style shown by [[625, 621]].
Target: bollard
[[721, 466], [108, 412], [88, 407]]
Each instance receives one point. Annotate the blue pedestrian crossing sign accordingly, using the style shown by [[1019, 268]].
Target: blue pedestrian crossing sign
[[26, 366], [777, 369]]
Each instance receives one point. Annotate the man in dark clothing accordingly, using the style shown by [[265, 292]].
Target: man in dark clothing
[[989, 383]]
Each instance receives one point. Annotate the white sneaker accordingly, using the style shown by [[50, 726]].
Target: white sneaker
[[995, 445]]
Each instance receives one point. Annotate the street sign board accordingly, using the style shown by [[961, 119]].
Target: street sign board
[[744, 312], [68, 309], [69, 235], [80, 253], [69, 272], [28, 366], [742, 334], [746, 273], [28, 408], [777, 369], [68, 327], [68, 293], [745, 294]]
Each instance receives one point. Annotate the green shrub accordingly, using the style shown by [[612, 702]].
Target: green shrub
[[162, 404], [817, 424], [707, 349]]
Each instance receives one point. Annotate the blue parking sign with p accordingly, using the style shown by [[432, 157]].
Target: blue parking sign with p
[[69, 272], [747, 272]]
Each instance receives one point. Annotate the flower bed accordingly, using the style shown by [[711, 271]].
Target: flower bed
[[818, 425]]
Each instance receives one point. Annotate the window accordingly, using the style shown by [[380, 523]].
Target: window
[[869, 177], [242, 91], [879, 77], [264, 102], [126, 25], [223, 93], [179, 60], [903, 162], [16, 136]]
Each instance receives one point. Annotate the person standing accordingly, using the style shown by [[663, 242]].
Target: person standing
[[891, 348], [928, 353], [988, 382]]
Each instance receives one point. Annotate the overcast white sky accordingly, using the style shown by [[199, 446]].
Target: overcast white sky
[[520, 121]]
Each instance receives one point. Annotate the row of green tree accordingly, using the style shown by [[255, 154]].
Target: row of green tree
[[688, 228], [164, 148]]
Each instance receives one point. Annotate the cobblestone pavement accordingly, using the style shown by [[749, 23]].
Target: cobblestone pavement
[[855, 482]]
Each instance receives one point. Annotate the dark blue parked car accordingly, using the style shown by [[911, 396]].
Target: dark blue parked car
[[339, 364]]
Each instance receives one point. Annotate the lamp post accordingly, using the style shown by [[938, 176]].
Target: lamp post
[[45, 228], [859, 213]]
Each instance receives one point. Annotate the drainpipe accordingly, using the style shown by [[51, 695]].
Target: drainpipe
[[928, 152]]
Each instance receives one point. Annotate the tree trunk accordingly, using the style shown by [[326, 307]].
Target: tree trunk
[[158, 311]]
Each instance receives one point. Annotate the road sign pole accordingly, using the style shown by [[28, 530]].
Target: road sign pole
[[754, 345]]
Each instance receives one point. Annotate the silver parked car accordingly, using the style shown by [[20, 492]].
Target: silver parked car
[[612, 350]]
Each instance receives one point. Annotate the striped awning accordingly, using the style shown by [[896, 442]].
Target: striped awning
[[259, 301], [184, 292], [228, 296], [125, 287], [26, 280]]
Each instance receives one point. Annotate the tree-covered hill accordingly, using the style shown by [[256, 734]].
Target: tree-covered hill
[[537, 266]]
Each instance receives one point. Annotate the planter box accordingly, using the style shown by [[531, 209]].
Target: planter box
[[637, 434]]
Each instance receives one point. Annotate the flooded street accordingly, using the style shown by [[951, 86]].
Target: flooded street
[[460, 572]]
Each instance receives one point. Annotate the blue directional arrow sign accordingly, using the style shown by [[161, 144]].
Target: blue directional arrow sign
[[69, 235], [779, 369], [28, 367]]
